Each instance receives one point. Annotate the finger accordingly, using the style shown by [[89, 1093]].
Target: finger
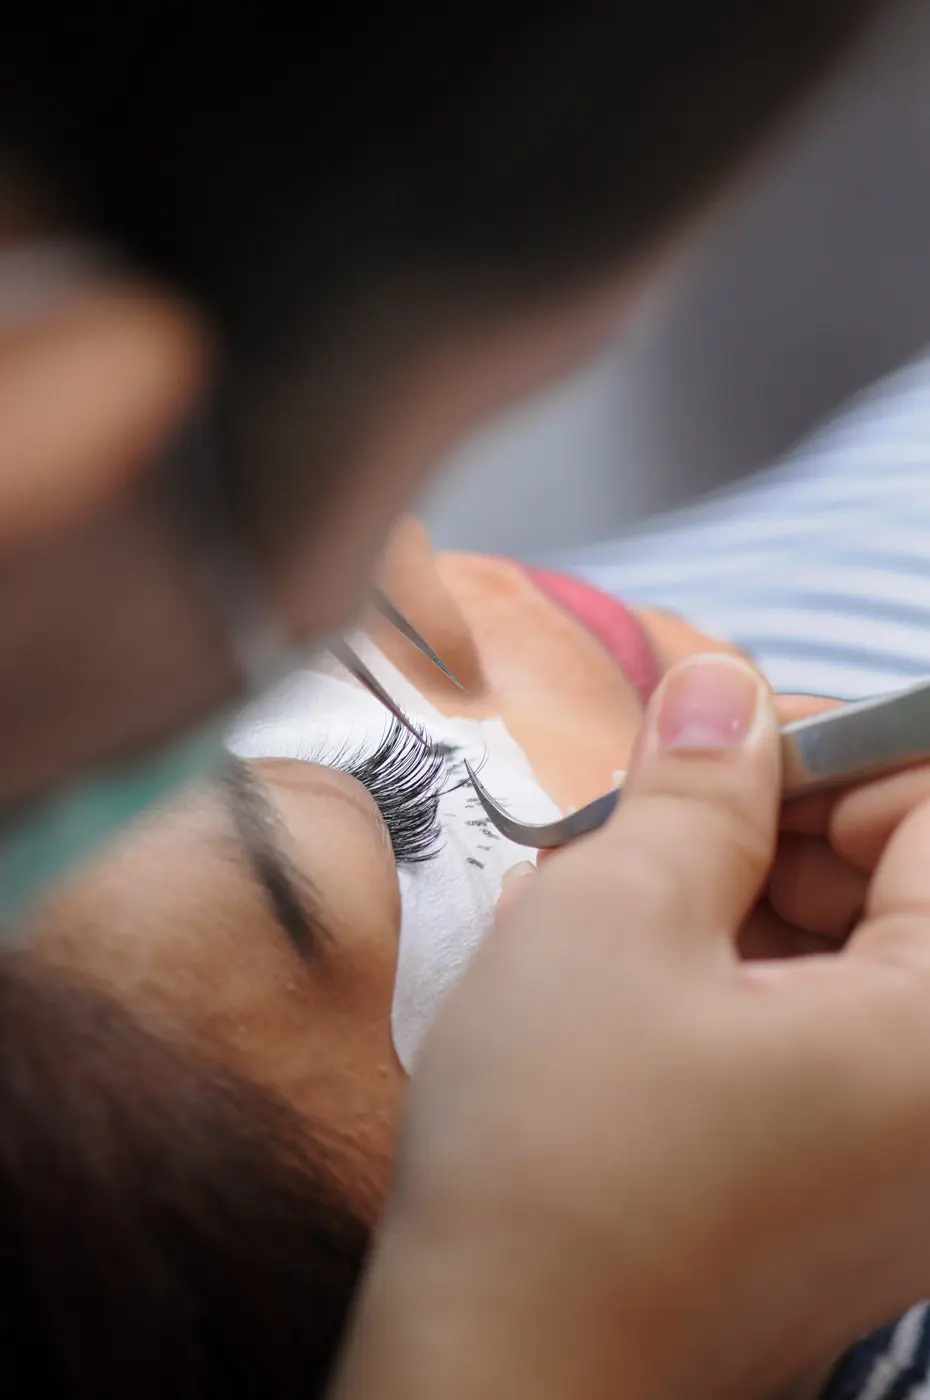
[[897, 916], [690, 845], [809, 816], [514, 883], [863, 820], [814, 888]]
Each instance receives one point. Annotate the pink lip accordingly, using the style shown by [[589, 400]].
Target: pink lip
[[617, 629]]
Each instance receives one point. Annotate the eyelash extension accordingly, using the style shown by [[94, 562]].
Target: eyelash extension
[[406, 779]]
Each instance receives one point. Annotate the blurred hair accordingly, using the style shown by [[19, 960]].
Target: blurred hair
[[166, 1228], [326, 191], [522, 145]]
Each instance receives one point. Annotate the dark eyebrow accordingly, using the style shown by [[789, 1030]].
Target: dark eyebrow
[[288, 890]]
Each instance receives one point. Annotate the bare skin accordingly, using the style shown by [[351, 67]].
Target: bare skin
[[200, 955]]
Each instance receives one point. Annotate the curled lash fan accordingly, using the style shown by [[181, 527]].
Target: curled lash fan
[[406, 776]]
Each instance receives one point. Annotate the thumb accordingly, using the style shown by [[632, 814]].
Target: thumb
[[692, 841]]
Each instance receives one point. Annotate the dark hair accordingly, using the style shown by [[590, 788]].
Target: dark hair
[[524, 144], [319, 188], [166, 1229]]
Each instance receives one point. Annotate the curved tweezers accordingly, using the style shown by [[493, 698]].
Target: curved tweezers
[[550, 835], [863, 740], [831, 749]]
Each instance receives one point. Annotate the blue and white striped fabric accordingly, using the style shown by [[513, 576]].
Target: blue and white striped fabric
[[819, 567]]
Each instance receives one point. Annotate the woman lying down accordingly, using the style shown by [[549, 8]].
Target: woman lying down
[[206, 1038]]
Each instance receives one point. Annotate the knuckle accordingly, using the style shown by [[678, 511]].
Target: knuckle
[[642, 879], [687, 832], [730, 840], [685, 842], [680, 836], [722, 814]]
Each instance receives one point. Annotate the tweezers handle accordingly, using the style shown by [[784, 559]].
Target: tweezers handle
[[857, 741]]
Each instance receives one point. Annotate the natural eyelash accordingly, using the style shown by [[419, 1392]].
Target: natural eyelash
[[406, 778]]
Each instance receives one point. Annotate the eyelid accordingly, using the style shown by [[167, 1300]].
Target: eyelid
[[305, 775], [326, 784], [289, 890]]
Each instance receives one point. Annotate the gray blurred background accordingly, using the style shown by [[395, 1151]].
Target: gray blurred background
[[819, 284]]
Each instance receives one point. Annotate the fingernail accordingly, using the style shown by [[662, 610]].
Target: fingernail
[[709, 702], [518, 871]]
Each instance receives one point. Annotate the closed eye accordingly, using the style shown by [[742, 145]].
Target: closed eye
[[289, 892]]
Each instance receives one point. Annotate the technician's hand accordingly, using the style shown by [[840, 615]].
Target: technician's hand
[[828, 850], [633, 1165]]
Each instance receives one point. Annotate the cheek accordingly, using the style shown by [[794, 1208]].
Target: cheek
[[331, 1052], [332, 1056], [314, 1032], [198, 959]]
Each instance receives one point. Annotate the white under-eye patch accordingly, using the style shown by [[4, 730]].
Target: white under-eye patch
[[447, 902]]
